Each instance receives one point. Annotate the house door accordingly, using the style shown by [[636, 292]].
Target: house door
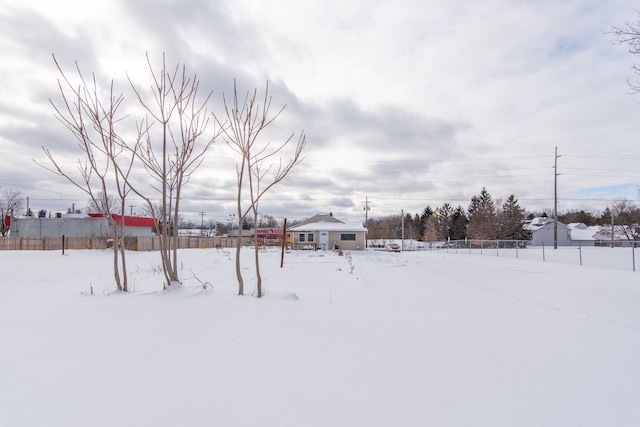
[[324, 240]]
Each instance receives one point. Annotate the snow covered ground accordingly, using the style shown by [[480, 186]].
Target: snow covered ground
[[406, 339]]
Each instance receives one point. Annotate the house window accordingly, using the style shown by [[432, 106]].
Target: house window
[[310, 237], [301, 237], [348, 236]]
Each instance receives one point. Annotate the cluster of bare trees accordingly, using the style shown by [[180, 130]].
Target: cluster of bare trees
[[629, 34], [170, 142], [624, 217], [10, 202]]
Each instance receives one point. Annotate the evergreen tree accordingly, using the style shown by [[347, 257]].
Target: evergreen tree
[[427, 224], [459, 221], [418, 228], [510, 221], [443, 221], [605, 218], [482, 217], [409, 227], [423, 223]]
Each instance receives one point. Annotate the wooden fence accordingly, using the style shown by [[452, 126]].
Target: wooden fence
[[153, 243], [147, 243]]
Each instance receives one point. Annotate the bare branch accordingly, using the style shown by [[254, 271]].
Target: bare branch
[[245, 122]]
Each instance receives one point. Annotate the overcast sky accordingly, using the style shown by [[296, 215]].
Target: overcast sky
[[405, 104]]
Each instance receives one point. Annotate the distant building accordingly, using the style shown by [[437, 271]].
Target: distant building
[[583, 235], [327, 232], [574, 234], [542, 232], [79, 225]]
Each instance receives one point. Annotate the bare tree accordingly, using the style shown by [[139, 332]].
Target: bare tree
[[173, 152], [10, 202], [259, 167], [625, 219], [629, 34], [93, 121], [98, 204]]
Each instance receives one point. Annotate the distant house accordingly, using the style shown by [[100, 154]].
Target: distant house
[[583, 235], [79, 225], [574, 234], [542, 232], [327, 232]]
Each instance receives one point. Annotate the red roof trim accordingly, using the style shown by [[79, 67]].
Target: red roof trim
[[129, 221]]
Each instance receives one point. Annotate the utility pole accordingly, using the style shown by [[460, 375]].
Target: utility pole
[[612, 227], [366, 211], [202, 214], [402, 246], [131, 208], [555, 200], [366, 219]]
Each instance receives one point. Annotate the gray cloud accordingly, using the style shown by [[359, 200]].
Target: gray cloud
[[409, 105]]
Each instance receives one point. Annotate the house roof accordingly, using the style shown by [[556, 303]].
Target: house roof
[[319, 218], [129, 221], [584, 234], [329, 226], [578, 225], [542, 222]]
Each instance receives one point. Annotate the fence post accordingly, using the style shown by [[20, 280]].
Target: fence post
[[580, 250], [497, 247], [543, 258], [63, 244], [633, 255]]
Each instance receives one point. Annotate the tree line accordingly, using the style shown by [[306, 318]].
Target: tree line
[[483, 219], [488, 219]]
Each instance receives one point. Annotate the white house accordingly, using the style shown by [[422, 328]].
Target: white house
[[326, 232], [542, 231], [574, 234]]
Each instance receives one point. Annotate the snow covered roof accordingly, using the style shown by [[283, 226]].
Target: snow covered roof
[[329, 226], [537, 223], [578, 225], [584, 234]]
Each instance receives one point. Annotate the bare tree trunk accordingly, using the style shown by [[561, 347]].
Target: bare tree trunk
[[122, 249], [244, 125], [238, 248], [256, 254], [175, 107], [114, 234]]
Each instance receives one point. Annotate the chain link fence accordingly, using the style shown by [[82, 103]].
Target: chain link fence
[[602, 253]]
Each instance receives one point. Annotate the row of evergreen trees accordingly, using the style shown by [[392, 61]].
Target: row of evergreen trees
[[484, 219]]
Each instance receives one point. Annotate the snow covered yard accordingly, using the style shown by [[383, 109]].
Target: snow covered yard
[[408, 339]]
